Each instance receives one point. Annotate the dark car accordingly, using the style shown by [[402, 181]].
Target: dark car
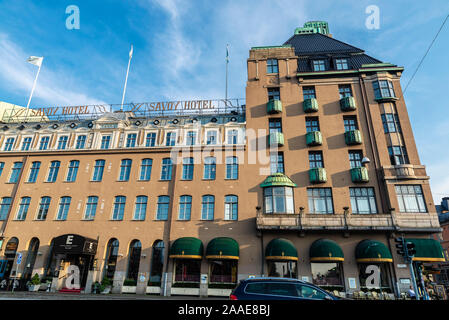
[[278, 289]]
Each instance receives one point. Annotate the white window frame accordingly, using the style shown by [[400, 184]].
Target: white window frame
[[23, 139], [13, 144], [137, 139], [156, 138], [217, 140]]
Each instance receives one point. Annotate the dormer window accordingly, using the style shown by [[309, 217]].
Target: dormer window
[[341, 64], [319, 65]]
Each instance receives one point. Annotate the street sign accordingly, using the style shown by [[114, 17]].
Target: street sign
[[19, 258]]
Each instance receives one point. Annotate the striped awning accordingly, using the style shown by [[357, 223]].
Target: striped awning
[[222, 248], [187, 248], [372, 251]]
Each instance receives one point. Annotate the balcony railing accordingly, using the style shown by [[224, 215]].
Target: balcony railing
[[317, 175], [405, 172], [310, 105], [359, 174], [347, 104], [353, 137], [314, 138], [276, 138], [395, 222], [274, 106]]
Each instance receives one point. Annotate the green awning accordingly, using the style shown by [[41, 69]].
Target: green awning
[[427, 250], [278, 180], [187, 248], [281, 249], [325, 250], [222, 248], [372, 251]]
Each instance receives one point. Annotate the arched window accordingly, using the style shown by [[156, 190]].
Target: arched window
[[162, 207], [10, 255], [207, 207], [209, 168], [232, 168], [135, 249], [231, 207], [125, 170], [35, 166], [111, 258], [53, 172], [185, 207], [119, 208], [157, 263], [145, 169], [166, 169], [64, 205], [4, 207], [43, 208], [31, 258], [141, 208]]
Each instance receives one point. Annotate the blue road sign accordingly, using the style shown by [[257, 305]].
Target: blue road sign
[[19, 258]]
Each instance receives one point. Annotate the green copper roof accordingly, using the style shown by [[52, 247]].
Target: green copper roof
[[313, 27], [278, 180]]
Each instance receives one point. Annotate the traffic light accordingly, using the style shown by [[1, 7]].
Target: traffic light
[[400, 246], [410, 249]]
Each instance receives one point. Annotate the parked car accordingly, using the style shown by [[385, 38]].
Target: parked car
[[279, 289]]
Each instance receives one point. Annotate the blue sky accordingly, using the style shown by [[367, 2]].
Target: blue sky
[[179, 53]]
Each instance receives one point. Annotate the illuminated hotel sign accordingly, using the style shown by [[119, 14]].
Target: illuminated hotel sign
[[161, 108]]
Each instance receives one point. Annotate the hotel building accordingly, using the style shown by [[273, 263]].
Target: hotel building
[[313, 178]]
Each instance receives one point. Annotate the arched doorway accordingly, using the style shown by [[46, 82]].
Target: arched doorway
[[31, 259], [157, 262], [111, 259], [135, 249], [10, 254]]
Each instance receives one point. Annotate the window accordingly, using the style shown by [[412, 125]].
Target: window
[[207, 207], [273, 94], [312, 124], [341, 64], [53, 172], [145, 169], [150, 139], [62, 142], [131, 140], [383, 89], [73, 170], [275, 125], [223, 271], [398, 155], [211, 137], [350, 123], [64, 205], [345, 90], [231, 207], [157, 261], [187, 270], [319, 65], [191, 138], [385, 277], [308, 93], [43, 208], [363, 200], [282, 269], [187, 168], [316, 159], [327, 274], [141, 208], [80, 142], [209, 168], [34, 170], [15, 172], [277, 162], [125, 170], [162, 207], [272, 66], [170, 139], [135, 250], [98, 170], [355, 159], [391, 122], [232, 136], [4, 207], [320, 200], [119, 208], [91, 208], [185, 207], [410, 198], [166, 169], [105, 142], [232, 168], [24, 205], [2, 166], [9, 144], [43, 145], [26, 144], [278, 200], [309, 292]]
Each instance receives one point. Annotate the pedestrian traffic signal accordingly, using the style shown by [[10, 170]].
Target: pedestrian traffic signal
[[410, 249]]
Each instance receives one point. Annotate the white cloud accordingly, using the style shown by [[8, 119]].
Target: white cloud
[[18, 76]]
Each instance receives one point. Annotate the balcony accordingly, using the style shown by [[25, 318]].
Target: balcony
[[314, 138], [423, 222], [347, 104], [276, 138], [405, 172], [274, 106], [317, 175], [359, 174], [353, 137], [310, 105]]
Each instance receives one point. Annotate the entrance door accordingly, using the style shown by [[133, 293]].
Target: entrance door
[[83, 262]]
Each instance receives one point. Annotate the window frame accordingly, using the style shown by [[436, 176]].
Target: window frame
[[369, 198]]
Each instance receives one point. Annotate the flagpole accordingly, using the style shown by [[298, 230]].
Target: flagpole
[[227, 62], [32, 90], [126, 79]]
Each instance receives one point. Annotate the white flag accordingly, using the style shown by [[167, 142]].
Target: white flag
[[37, 61], [131, 52]]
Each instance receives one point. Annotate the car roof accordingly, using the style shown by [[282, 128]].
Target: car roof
[[274, 279]]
